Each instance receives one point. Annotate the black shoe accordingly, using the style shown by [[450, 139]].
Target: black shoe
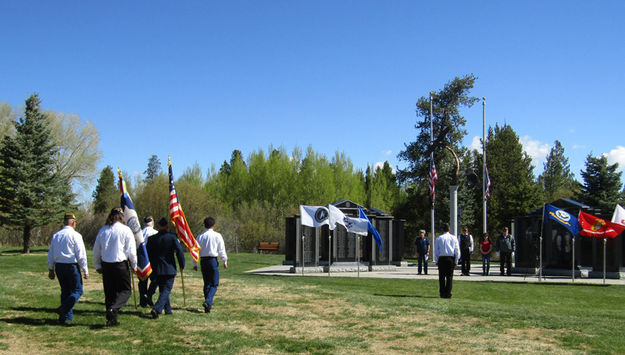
[[154, 314], [149, 302], [207, 308]]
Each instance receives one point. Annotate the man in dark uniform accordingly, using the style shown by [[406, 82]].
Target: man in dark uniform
[[466, 248], [161, 248], [505, 246], [423, 251]]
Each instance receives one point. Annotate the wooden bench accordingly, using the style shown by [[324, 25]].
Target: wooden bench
[[268, 246]]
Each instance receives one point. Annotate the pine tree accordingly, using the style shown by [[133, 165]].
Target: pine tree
[[153, 169], [32, 192], [514, 191], [602, 184], [557, 180], [106, 195]]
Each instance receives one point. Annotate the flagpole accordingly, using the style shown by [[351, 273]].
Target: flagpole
[[432, 161], [540, 240], [573, 262], [303, 250], [484, 204], [605, 241], [184, 295], [330, 249], [358, 253]]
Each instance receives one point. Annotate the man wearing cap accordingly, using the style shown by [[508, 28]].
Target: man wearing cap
[[65, 256], [162, 247], [423, 251], [114, 248], [446, 255], [145, 294], [211, 245]]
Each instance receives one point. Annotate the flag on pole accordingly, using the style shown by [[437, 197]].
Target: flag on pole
[[592, 226], [486, 182], [563, 217], [144, 269], [371, 228], [314, 216], [179, 220], [619, 215], [433, 178]]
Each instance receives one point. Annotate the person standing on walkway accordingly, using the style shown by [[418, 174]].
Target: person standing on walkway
[[505, 246], [145, 294], [466, 249], [67, 256], [486, 246], [423, 251], [162, 247], [446, 255], [114, 248], [211, 245]]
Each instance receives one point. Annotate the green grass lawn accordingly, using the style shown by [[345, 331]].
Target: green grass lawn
[[266, 314]]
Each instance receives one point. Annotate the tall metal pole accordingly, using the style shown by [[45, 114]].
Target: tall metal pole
[[540, 249], [484, 163], [605, 241], [432, 159], [330, 249], [573, 262]]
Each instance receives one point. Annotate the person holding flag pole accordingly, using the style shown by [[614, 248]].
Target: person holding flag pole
[[182, 227]]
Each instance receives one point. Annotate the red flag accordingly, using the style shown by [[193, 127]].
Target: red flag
[[180, 221], [592, 226]]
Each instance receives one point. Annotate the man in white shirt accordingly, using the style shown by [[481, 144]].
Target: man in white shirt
[[114, 247], [66, 255], [446, 255], [145, 293], [211, 246]]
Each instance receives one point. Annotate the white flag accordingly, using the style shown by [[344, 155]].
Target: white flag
[[336, 216], [357, 225], [314, 216], [619, 215]]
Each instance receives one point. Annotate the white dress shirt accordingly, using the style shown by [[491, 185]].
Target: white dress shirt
[[115, 244], [67, 247], [211, 244], [446, 245]]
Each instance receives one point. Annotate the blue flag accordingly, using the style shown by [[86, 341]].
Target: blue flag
[[563, 217], [376, 235], [144, 269]]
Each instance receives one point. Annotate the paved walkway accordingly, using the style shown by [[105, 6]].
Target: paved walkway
[[410, 272]]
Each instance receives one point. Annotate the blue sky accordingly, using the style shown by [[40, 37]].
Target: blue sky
[[197, 79]]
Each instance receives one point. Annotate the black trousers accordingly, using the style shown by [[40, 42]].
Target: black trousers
[[445, 275], [505, 258], [116, 280], [465, 261]]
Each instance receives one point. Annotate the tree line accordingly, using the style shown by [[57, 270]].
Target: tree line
[[44, 154]]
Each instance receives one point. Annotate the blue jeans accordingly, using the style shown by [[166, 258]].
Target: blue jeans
[[210, 274], [71, 288], [165, 284], [485, 264]]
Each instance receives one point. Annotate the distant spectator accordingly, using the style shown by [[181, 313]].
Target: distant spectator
[[423, 251]]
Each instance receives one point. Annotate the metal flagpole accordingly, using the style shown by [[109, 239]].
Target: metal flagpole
[[432, 160], [330, 249], [303, 237], [484, 203], [605, 241], [184, 295], [358, 253], [540, 239], [573, 263]]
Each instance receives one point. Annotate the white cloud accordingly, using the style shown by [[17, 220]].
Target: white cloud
[[476, 144], [578, 146], [387, 152], [535, 149], [617, 155]]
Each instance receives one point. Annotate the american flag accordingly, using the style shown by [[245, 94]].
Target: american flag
[[180, 221], [433, 178], [486, 183]]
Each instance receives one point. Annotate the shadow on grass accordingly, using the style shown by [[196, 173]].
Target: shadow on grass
[[403, 296]]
